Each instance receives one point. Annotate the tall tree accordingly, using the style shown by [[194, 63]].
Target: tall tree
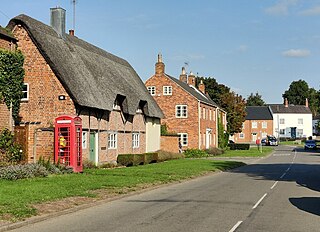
[[229, 101], [255, 100], [299, 91]]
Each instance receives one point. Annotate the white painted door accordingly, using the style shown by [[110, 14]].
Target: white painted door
[[208, 138]]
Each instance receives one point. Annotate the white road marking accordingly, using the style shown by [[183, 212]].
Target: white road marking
[[288, 169], [282, 154], [256, 205], [274, 185], [283, 175], [235, 226]]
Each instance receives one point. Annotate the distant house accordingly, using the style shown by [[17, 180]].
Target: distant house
[[188, 111], [65, 75], [257, 125], [291, 121], [7, 42]]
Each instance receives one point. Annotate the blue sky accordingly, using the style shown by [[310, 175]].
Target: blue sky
[[248, 45]]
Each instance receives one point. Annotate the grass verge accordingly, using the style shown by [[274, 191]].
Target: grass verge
[[17, 197], [252, 152]]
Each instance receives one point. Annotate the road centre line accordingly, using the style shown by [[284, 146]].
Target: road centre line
[[274, 185], [256, 205], [235, 226]]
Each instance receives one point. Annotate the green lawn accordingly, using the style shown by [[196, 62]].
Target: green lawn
[[252, 152], [291, 143], [17, 197]]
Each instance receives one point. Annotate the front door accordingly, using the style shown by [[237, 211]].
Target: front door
[[294, 132], [254, 137], [208, 138], [93, 147]]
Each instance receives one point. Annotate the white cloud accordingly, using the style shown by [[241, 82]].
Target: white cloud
[[296, 53], [281, 7], [242, 48], [312, 11]]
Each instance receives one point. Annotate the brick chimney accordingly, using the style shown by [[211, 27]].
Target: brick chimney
[[183, 75], [58, 20], [307, 102], [159, 66], [202, 87], [286, 104], [192, 79], [71, 32]]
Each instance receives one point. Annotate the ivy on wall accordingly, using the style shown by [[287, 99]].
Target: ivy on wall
[[11, 79]]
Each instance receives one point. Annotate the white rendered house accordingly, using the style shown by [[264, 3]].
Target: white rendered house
[[291, 121]]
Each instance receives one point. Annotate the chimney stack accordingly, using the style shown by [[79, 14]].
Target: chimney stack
[[159, 66], [192, 79], [286, 104], [58, 20], [202, 87], [183, 75], [71, 32], [307, 102]]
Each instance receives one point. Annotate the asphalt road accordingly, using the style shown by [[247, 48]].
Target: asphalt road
[[278, 193]]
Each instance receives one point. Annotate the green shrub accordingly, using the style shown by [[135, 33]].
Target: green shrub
[[151, 158], [108, 165], [136, 159], [166, 155], [213, 151], [15, 172], [88, 164], [53, 168], [239, 146], [195, 153], [10, 152]]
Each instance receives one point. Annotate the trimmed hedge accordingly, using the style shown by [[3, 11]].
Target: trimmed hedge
[[239, 146], [137, 159]]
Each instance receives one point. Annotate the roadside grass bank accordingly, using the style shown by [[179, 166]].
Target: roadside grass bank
[[252, 152], [17, 198]]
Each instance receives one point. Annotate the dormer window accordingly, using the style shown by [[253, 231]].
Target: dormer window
[[167, 90], [116, 105]]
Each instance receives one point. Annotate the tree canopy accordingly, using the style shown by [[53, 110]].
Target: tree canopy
[[229, 101], [299, 91], [255, 100]]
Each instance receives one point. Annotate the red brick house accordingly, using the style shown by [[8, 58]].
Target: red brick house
[[65, 75], [7, 42], [257, 125], [187, 110]]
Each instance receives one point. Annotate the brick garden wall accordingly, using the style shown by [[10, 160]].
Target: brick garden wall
[[170, 143]]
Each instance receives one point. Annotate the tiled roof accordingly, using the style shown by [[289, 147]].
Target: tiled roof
[[290, 109], [258, 113], [194, 92]]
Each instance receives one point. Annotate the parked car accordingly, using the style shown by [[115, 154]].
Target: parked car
[[272, 141], [310, 144], [264, 141]]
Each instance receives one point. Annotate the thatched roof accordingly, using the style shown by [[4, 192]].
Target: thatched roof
[[93, 77], [5, 34]]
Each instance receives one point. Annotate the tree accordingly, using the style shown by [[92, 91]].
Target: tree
[[229, 101], [255, 100], [299, 91], [11, 79]]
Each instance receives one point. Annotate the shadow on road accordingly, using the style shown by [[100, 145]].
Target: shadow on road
[[305, 175], [307, 204]]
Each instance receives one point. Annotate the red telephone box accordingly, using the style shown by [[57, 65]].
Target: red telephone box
[[67, 139]]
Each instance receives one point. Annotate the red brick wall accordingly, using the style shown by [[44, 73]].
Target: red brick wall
[[6, 44], [170, 143], [208, 122], [188, 125], [248, 130], [4, 116]]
